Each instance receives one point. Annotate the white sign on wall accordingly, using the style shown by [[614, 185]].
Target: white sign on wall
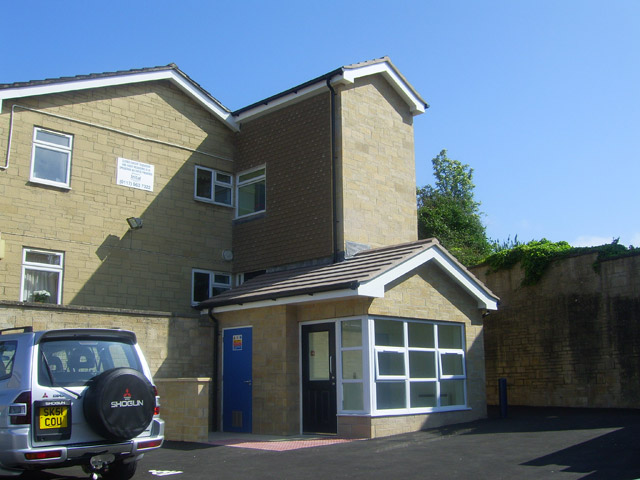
[[135, 174]]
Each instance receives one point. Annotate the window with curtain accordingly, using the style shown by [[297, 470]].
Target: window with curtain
[[41, 276]]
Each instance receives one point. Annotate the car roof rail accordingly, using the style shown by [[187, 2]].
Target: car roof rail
[[22, 329]]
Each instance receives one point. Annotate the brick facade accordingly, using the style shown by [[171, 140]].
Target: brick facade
[[295, 144]]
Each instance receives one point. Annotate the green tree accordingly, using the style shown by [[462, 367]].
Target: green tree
[[449, 212]]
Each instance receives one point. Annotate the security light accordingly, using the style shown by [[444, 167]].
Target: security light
[[135, 223]]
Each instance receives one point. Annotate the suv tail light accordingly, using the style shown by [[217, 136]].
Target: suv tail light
[[20, 409], [156, 410]]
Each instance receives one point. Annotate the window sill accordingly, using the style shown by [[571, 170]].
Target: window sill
[[211, 202], [404, 412], [249, 218], [38, 183]]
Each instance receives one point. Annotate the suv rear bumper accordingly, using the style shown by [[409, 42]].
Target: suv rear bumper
[[13, 458]]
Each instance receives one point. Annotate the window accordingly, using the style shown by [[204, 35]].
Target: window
[[41, 276], [73, 362], [246, 276], [419, 366], [51, 157], [213, 186], [7, 354], [251, 192], [206, 284], [352, 366]]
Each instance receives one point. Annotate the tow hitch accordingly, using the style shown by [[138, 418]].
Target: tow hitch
[[98, 462]]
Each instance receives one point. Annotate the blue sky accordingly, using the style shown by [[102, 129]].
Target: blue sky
[[541, 98]]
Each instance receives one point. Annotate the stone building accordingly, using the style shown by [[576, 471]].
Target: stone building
[[267, 258]]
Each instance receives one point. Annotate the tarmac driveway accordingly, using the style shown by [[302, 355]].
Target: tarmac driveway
[[530, 444]]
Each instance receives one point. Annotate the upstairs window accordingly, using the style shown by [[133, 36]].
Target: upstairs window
[[251, 192], [206, 284], [213, 186], [41, 276], [51, 157]]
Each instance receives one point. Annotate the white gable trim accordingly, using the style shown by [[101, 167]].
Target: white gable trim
[[398, 83], [124, 79], [376, 286], [346, 77]]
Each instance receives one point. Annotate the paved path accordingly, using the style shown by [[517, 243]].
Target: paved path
[[529, 444]]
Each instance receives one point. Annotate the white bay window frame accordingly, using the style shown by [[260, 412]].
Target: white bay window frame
[[436, 374]]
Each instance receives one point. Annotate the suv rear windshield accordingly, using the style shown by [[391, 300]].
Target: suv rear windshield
[[73, 362]]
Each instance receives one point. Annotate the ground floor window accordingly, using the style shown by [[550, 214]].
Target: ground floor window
[[391, 365], [206, 284], [41, 276]]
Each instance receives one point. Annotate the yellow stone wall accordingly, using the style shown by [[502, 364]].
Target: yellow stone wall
[[185, 407], [105, 264], [376, 165]]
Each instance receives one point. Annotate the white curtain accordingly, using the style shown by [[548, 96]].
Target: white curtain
[[35, 280]]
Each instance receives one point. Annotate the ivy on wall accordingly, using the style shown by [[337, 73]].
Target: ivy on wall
[[536, 256]]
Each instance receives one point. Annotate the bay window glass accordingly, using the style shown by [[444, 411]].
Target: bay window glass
[[41, 276], [352, 378], [51, 157], [418, 365]]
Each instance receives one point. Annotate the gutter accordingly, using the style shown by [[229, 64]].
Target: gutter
[[334, 180]]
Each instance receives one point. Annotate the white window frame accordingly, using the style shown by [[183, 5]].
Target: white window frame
[[215, 182], [41, 267], [212, 283], [406, 378], [366, 379], [240, 184], [38, 143]]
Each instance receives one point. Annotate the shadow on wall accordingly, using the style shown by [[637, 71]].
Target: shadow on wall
[[149, 268]]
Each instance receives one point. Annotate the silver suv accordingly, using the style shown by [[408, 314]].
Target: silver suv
[[76, 397]]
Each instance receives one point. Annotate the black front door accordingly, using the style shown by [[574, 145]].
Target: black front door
[[319, 405]]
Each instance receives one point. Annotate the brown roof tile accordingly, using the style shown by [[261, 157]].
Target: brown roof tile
[[349, 274]]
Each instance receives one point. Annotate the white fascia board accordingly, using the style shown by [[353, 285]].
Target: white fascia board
[[376, 286], [399, 85], [285, 99], [85, 84], [296, 299]]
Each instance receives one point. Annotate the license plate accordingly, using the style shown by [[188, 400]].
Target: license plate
[[54, 417]]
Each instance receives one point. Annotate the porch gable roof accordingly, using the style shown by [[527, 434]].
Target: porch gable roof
[[366, 274]]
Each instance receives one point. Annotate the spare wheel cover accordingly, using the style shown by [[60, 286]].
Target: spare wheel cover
[[119, 403]]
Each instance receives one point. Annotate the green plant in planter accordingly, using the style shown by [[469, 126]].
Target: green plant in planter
[[41, 296]]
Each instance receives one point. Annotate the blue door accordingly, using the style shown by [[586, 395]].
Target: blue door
[[236, 380]]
